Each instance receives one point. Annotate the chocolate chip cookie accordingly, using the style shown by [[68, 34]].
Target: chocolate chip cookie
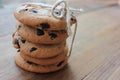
[[46, 61], [32, 67], [36, 35]]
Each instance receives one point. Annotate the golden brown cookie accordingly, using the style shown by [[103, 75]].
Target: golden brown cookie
[[32, 67], [37, 15], [46, 61], [35, 35], [41, 50]]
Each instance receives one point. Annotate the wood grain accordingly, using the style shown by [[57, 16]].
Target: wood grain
[[95, 56]]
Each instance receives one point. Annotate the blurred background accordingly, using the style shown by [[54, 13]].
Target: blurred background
[[7, 7]]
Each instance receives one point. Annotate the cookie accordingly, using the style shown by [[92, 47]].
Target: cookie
[[39, 16], [41, 50], [34, 50], [35, 35], [32, 67], [15, 40], [46, 61]]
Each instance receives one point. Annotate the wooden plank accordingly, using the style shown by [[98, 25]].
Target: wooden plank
[[95, 39], [107, 66], [115, 75]]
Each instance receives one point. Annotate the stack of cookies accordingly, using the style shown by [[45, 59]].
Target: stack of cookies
[[40, 38]]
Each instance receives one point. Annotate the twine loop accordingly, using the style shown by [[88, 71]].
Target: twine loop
[[64, 12], [58, 11]]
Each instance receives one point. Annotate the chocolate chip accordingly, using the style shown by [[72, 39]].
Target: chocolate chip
[[33, 49], [52, 35], [13, 34], [25, 9], [16, 42], [19, 26], [23, 40], [18, 50], [72, 19], [40, 32], [44, 25], [60, 63], [34, 11], [29, 62]]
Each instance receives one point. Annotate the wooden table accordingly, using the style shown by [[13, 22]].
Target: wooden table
[[95, 55]]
